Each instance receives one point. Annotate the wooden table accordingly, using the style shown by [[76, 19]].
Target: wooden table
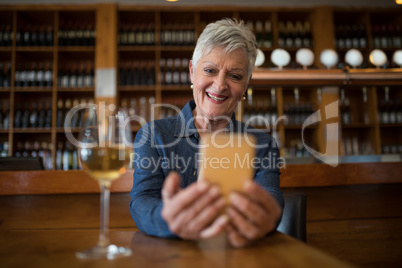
[[47, 230]]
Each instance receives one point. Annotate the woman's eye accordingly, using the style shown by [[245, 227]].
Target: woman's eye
[[210, 71], [236, 77]]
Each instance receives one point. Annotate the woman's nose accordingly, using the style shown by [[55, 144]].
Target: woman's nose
[[220, 82]]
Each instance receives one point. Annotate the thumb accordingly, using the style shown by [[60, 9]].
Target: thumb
[[171, 185]]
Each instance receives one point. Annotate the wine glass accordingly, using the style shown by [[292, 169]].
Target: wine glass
[[104, 151]]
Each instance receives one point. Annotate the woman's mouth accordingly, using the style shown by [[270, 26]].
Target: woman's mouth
[[216, 97]]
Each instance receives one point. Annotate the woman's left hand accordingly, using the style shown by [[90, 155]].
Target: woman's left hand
[[252, 213]]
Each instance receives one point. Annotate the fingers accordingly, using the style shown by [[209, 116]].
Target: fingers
[[263, 197], [218, 226], [246, 228], [171, 185], [200, 213], [235, 239], [252, 213]]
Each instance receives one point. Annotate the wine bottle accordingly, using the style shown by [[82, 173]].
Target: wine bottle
[[139, 34], [89, 75], [162, 71], [35, 36], [81, 75], [6, 116], [32, 75], [2, 31], [150, 35], [59, 156], [151, 73], [298, 33], [176, 71], [19, 38], [384, 36], [65, 81], [122, 35], [307, 35], [282, 34], [24, 76], [268, 37], [49, 35], [184, 72], [48, 77], [1, 115], [376, 32], [48, 119], [40, 75], [362, 36], [259, 33], [131, 36], [169, 72], [18, 116], [92, 34], [1, 74], [135, 73], [67, 108], [143, 73], [397, 38], [289, 34], [42, 36], [73, 76], [41, 114], [122, 74], [71, 34], [60, 113], [79, 34], [87, 34], [33, 115], [355, 36], [61, 34], [339, 35], [76, 116], [25, 116], [26, 38], [398, 112]]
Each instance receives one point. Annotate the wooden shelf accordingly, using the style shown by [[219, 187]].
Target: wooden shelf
[[136, 88], [76, 89], [32, 130], [358, 125], [76, 49], [33, 89], [35, 49]]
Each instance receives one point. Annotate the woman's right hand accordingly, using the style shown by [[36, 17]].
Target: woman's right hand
[[194, 212]]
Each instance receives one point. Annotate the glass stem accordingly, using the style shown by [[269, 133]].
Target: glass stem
[[104, 215]]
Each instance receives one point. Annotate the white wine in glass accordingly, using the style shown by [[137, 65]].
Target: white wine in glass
[[104, 153]]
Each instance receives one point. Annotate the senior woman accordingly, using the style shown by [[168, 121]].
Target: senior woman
[[167, 201]]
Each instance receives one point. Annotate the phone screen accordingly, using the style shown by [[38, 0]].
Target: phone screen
[[226, 160]]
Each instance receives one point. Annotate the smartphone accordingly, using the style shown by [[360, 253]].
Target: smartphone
[[226, 160]]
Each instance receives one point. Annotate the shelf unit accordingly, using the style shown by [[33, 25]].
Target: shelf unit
[[152, 22]]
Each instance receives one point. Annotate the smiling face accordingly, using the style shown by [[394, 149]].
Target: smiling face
[[219, 82]]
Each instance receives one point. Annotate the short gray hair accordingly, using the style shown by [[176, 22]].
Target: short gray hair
[[228, 34]]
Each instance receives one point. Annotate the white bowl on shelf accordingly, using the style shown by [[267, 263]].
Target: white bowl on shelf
[[305, 57], [378, 58], [397, 58], [354, 57], [280, 57], [329, 58]]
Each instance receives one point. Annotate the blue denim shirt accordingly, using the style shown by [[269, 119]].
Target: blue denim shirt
[[170, 144]]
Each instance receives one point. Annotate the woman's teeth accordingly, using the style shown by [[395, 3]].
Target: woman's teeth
[[216, 98]]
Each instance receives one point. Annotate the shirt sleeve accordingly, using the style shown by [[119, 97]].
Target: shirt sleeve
[[267, 173], [146, 199]]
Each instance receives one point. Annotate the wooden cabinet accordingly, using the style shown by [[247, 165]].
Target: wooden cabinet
[[151, 48]]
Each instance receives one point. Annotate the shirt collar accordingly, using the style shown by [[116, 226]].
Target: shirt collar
[[185, 123]]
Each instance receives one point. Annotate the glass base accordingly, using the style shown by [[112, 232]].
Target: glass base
[[109, 252]]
